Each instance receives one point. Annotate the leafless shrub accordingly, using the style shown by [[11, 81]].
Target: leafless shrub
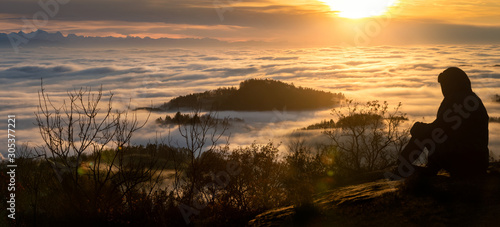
[[367, 137], [87, 144]]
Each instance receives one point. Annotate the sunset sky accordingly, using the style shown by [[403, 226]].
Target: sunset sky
[[325, 22]]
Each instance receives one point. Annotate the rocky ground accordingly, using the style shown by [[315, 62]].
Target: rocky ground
[[438, 201]]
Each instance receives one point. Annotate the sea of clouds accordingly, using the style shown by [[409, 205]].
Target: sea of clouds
[[150, 77]]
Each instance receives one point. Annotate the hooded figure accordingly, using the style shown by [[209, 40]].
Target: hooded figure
[[457, 140]]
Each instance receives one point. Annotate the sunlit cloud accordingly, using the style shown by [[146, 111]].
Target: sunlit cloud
[[146, 77], [297, 23]]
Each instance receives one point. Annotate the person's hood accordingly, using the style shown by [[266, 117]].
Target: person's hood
[[454, 82]]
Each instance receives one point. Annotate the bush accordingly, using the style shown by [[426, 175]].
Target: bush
[[368, 136]]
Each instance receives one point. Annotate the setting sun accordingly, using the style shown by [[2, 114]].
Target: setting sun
[[355, 9]]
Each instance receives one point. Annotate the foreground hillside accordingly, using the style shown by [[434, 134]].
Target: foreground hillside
[[438, 202], [258, 95]]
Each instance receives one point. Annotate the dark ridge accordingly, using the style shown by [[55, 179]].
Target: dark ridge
[[496, 98], [495, 119], [257, 95], [354, 120], [188, 119]]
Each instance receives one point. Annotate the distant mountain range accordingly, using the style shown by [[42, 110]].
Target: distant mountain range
[[43, 38]]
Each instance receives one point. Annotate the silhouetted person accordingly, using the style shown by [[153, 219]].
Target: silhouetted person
[[457, 140]]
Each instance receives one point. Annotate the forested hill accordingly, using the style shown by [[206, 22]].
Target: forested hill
[[257, 95]]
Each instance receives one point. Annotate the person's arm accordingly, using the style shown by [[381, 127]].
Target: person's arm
[[443, 121], [422, 130]]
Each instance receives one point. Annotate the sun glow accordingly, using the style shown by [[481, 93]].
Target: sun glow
[[355, 9]]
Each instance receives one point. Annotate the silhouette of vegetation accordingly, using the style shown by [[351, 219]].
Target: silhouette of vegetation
[[354, 120], [494, 119], [258, 95], [324, 124], [88, 173], [187, 119], [309, 170], [496, 98], [367, 137]]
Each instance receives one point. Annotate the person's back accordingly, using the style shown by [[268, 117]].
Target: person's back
[[464, 119], [458, 139]]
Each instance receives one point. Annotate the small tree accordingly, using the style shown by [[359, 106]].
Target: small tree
[[258, 186], [304, 169], [198, 136], [88, 145], [367, 137]]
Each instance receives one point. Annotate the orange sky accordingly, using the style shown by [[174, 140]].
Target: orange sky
[[292, 21]]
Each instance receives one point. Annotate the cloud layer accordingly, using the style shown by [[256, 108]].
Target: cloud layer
[[146, 77]]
